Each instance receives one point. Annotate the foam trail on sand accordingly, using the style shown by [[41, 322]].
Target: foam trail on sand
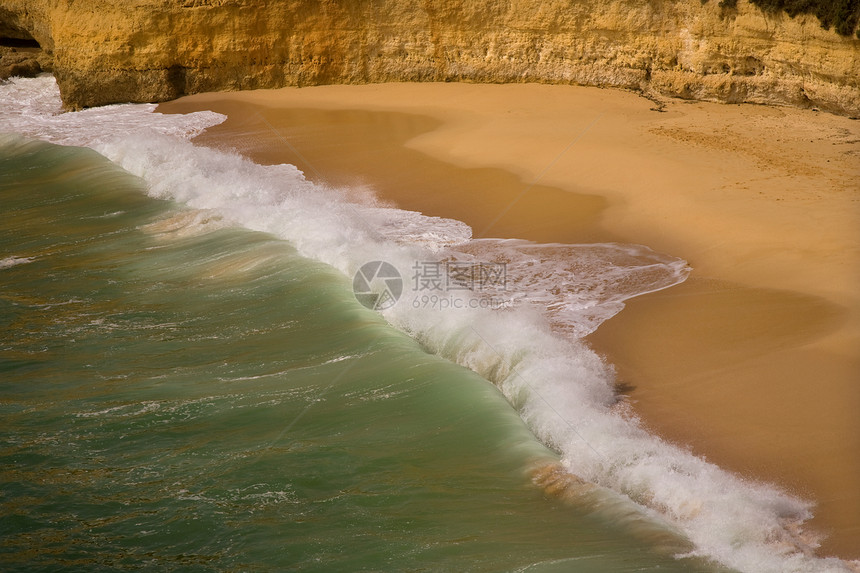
[[528, 345]]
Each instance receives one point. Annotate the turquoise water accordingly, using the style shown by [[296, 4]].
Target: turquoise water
[[211, 400]]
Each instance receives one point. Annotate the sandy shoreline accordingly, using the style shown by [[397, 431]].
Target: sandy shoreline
[[755, 361]]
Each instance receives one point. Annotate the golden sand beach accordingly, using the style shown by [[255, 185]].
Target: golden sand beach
[[754, 362]]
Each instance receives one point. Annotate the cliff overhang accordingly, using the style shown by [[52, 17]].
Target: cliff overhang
[[156, 50]]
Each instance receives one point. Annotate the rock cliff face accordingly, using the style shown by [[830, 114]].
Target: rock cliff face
[[154, 50]]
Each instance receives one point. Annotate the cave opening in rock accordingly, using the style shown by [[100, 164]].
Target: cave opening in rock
[[7, 42], [14, 35], [20, 53]]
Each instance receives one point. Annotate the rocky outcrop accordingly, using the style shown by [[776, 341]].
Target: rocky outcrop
[[23, 61], [20, 53], [155, 50]]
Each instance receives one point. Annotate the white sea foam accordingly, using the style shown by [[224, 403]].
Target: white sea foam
[[530, 348], [10, 262], [30, 106]]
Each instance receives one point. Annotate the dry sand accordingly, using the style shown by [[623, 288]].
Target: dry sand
[[754, 362]]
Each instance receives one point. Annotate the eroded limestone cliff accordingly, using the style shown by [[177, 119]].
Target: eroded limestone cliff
[[155, 50]]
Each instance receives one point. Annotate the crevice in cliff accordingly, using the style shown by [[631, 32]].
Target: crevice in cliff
[[177, 80], [6, 42]]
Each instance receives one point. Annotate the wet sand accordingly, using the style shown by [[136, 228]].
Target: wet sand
[[754, 362]]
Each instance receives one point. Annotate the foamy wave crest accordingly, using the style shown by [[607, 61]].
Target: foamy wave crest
[[562, 390], [530, 348]]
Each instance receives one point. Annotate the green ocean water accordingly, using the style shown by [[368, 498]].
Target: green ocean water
[[198, 397]]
